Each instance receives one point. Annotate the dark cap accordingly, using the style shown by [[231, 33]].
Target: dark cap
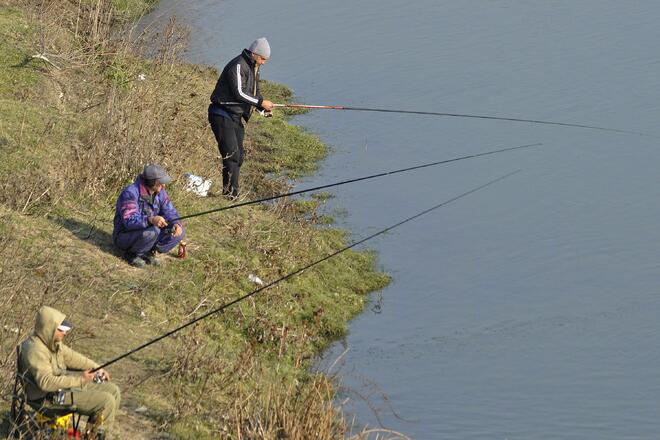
[[65, 326], [153, 171]]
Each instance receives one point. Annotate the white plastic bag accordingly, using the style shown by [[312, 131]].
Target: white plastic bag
[[255, 279], [197, 184]]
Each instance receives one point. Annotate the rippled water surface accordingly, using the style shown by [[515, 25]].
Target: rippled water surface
[[528, 310]]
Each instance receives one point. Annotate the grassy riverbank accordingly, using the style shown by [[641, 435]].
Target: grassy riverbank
[[82, 110]]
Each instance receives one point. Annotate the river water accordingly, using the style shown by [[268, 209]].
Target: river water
[[527, 310]]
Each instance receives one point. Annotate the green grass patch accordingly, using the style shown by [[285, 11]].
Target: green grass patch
[[132, 9], [16, 76]]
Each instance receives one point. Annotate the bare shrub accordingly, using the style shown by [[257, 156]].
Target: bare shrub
[[291, 411], [171, 44]]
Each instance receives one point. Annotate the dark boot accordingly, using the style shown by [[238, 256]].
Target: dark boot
[[137, 262], [150, 258]]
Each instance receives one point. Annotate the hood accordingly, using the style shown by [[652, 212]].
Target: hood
[[47, 321]]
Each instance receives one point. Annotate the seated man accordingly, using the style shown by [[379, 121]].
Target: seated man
[[46, 363], [142, 217]]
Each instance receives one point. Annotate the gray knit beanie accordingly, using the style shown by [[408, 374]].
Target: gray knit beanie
[[261, 47]]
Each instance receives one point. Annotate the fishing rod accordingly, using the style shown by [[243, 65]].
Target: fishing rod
[[387, 173], [455, 115], [297, 271]]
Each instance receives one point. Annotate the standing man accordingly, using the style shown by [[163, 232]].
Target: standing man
[[236, 94], [46, 364], [142, 218]]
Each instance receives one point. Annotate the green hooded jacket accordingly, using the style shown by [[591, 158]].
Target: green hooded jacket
[[46, 361]]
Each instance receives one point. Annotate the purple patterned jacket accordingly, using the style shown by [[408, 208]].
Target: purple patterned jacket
[[135, 205]]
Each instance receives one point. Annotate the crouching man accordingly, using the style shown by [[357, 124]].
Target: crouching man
[[48, 365], [142, 218]]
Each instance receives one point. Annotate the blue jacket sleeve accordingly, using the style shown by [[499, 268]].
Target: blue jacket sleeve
[[131, 215]]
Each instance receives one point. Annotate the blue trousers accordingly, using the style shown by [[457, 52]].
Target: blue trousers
[[144, 241]]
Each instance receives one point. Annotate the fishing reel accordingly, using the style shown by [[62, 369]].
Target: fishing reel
[[100, 377], [265, 113], [169, 229]]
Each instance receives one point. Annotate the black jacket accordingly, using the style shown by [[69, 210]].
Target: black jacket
[[239, 82]]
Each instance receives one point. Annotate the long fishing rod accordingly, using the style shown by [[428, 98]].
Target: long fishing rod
[[387, 173], [297, 271], [460, 115], [455, 115]]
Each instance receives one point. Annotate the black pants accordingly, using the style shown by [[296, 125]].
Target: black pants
[[229, 135]]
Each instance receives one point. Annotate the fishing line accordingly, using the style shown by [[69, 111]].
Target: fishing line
[[297, 271], [387, 173], [455, 115]]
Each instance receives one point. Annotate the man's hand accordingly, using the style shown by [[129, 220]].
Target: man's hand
[[178, 230], [157, 221], [87, 376], [267, 105]]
